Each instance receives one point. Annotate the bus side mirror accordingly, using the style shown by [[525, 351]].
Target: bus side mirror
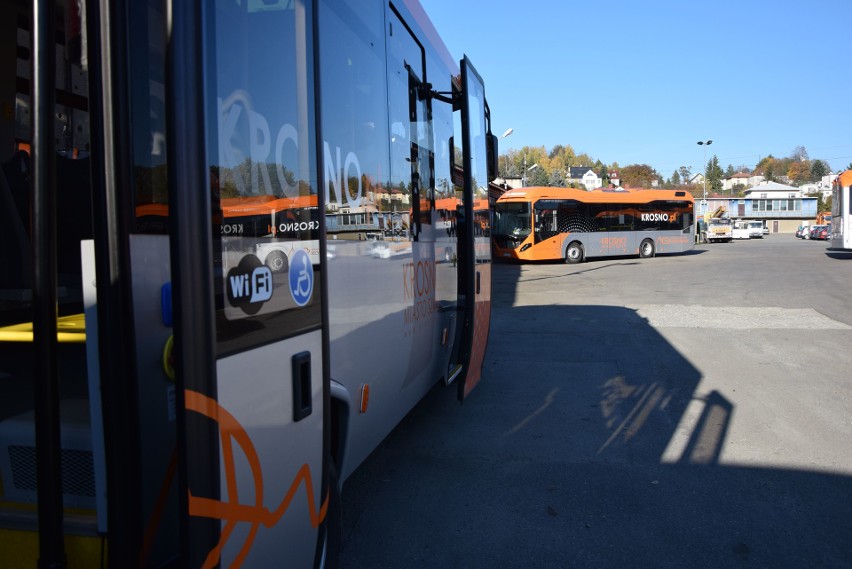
[[493, 155]]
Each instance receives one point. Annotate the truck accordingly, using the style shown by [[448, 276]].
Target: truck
[[719, 229], [740, 230]]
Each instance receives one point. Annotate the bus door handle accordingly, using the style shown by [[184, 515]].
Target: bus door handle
[[302, 396]]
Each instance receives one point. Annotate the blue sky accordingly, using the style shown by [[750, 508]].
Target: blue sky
[[642, 82]]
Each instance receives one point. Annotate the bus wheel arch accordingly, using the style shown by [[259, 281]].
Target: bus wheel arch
[[277, 261], [647, 249], [574, 253]]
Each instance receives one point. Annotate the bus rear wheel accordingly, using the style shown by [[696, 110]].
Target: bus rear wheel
[[277, 261], [646, 249], [574, 253]]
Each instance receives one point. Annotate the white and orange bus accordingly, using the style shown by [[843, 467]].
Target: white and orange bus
[[187, 375], [841, 211], [544, 223]]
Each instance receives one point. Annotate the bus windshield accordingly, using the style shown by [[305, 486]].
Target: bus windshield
[[512, 219]]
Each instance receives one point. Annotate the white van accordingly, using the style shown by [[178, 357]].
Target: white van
[[755, 229]]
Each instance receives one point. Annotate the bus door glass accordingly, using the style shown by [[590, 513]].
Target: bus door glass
[[411, 147], [475, 261], [547, 227], [268, 403], [412, 160]]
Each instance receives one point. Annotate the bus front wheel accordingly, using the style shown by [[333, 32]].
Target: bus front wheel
[[646, 249], [574, 253]]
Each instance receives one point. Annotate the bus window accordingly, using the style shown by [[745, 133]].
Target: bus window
[[545, 219], [512, 220]]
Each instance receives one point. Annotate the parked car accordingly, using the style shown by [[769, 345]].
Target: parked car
[[802, 231], [818, 232], [766, 230]]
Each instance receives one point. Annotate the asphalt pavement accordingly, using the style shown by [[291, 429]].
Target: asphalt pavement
[[689, 410]]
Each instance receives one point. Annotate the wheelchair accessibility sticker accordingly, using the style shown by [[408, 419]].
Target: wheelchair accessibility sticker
[[301, 278]]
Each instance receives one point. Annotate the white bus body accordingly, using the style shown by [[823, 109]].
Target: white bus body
[[841, 212], [273, 240]]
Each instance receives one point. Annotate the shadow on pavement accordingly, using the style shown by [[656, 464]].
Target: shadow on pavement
[[587, 444]]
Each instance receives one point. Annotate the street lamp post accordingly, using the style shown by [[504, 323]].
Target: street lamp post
[[530, 169], [704, 145], [502, 136]]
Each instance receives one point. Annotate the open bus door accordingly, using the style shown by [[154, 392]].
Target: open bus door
[[479, 151], [184, 423], [254, 436]]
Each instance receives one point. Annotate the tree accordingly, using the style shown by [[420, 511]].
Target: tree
[[685, 174], [714, 174], [538, 177], [799, 153], [799, 171], [638, 176], [603, 173], [675, 178], [768, 167], [730, 171], [557, 178], [818, 170]]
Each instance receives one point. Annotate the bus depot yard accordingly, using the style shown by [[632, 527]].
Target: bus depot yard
[[689, 410]]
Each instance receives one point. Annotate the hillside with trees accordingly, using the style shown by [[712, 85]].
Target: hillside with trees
[[550, 168]]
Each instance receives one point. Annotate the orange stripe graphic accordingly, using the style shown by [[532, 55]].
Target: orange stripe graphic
[[232, 512]]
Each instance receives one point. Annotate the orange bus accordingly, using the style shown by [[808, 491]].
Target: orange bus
[[543, 223]]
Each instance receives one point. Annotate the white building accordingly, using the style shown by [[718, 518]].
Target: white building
[[738, 179], [585, 176], [773, 190]]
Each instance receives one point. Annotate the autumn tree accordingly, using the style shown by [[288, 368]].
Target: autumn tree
[[799, 171], [685, 174], [768, 168], [638, 176]]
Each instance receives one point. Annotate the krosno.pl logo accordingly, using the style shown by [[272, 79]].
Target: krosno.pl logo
[[668, 217]]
